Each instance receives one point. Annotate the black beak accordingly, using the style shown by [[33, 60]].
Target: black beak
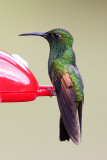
[[34, 34]]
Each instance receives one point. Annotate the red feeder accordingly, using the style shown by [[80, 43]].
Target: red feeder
[[17, 83]]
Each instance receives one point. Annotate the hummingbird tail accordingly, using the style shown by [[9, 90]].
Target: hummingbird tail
[[63, 133]]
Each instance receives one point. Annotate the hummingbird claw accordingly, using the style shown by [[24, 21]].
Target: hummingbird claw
[[53, 93]]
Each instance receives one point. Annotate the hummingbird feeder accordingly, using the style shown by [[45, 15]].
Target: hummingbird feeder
[[17, 83]]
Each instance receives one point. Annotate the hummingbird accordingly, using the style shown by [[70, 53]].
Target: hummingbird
[[67, 81]]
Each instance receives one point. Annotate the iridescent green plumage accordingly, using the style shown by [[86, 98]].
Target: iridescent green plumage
[[62, 61], [67, 81]]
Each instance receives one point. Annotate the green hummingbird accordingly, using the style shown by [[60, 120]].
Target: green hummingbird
[[67, 81]]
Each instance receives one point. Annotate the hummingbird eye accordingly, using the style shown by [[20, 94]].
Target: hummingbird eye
[[56, 35]]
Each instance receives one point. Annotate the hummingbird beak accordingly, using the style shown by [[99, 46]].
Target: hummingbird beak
[[34, 34]]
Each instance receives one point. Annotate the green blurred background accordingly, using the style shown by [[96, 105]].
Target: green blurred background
[[30, 130]]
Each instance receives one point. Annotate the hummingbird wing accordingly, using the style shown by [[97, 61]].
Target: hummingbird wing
[[78, 89], [65, 97]]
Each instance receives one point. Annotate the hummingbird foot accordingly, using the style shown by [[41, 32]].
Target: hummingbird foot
[[53, 93]]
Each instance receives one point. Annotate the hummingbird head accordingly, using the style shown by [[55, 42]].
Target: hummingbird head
[[59, 36], [58, 39]]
